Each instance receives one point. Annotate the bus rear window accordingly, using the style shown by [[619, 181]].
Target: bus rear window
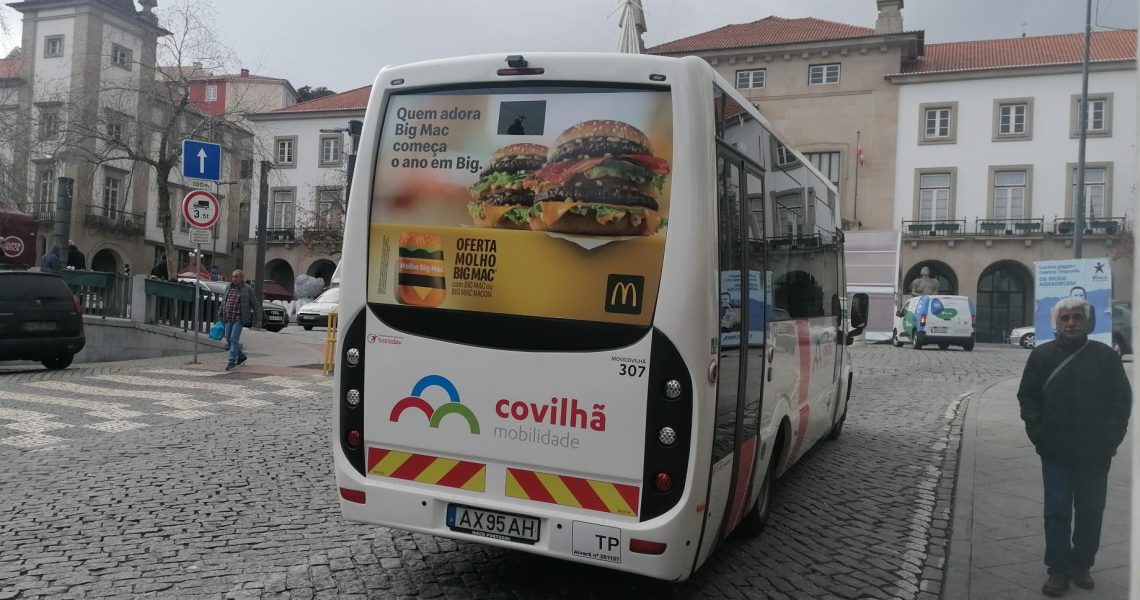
[[536, 202]]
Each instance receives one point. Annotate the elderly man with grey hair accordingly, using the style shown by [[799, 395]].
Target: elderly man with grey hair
[[1075, 401]]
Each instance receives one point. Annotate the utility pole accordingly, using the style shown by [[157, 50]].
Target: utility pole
[[858, 160], [353, 131], [262, 216], [1083, 124]]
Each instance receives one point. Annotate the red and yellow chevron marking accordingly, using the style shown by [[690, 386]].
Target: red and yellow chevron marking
[[590, 494], [449, 472]]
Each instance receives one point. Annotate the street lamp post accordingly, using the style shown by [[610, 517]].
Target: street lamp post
[[1083, 123]]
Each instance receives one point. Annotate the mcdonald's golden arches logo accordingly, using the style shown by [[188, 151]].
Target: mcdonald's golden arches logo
[[625, 294]]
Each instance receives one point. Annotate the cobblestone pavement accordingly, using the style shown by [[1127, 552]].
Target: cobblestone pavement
[[224, 500]]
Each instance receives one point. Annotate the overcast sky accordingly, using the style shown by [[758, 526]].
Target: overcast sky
[[342, 43]]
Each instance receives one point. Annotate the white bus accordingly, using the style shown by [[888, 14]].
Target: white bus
[[545, 341]]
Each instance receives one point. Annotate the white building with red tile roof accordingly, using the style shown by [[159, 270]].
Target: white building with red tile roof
[[308, 149], [987, 163]]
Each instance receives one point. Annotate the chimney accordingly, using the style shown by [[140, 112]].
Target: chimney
[[890, 16], [245, 72]]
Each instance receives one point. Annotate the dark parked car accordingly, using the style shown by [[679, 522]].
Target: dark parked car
[[40, 319], [275, 316]]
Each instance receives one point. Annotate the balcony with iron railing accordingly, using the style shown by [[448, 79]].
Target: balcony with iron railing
[[939, 228], [1014, 228], [114, 221], [44, 212], [1009, 227], [291, 235]]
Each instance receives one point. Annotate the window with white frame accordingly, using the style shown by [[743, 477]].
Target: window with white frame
[[823, 74], [1095, 182], [330, 150], [934, 196], [212, 93], [1009, 194], [282, 217], [53, 46], [785, 156], [45, 187], [285, 151], [1099, 118], [50, 120], [827, 163], [1096, 115], [1012, 119], [112, 193], [121, 56], [751, 78], [937, 123], [329, 212]]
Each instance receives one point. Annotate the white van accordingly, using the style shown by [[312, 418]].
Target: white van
[[942, 320]]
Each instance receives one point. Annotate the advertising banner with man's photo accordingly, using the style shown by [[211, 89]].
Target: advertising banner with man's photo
[[1086, 278], [731, 313], [537, 204]]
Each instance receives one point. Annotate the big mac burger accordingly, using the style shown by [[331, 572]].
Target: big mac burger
[[504, 193], [601, 179]]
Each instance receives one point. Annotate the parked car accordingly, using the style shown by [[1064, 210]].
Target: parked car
[[316, 313], [1122, 328], [40, 319], [275, 316], [1023, 336]]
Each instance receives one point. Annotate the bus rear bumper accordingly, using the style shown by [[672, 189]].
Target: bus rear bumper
[[568, 534]]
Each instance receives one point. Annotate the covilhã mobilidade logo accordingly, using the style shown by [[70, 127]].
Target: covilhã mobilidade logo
[[435, 415]]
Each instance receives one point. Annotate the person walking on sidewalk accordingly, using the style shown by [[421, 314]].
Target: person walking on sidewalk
[[1075, 401], [237, 311]]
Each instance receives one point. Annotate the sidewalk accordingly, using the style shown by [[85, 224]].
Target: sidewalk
[[998, 541]]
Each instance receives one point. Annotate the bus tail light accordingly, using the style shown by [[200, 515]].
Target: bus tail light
[[351, 495], [668, 429], [350, 403], [646, 547]]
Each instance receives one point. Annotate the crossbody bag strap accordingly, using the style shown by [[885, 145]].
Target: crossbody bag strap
[[1063, 363]]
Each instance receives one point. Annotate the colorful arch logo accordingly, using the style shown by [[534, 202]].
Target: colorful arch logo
[[435, 415]]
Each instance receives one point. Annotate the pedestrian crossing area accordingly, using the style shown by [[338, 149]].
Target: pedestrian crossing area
[[38, 415]]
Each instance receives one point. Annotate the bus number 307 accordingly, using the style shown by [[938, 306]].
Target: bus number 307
[[631, 370]]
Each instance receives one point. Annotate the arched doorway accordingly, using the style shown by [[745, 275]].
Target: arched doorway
[[947, 280], [322, 268], [280, 271], [106, 261], [1005, 300]]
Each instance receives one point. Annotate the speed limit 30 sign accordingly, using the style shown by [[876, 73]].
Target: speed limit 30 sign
[[201, 209]]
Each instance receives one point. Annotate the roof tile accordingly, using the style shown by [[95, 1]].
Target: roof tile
[[9, 68], [351, 100], [769, 31], [1024, 52]]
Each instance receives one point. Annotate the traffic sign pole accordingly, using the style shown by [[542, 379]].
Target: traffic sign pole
[[197, 295]]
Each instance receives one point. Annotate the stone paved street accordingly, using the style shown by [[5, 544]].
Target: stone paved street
[[172, 483]]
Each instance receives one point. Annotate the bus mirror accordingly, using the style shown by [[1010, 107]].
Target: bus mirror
[[859, 305]]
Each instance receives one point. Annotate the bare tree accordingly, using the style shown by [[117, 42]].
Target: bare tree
[[321, 224], [138, 123]]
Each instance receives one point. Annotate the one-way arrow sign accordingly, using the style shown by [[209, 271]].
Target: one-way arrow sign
[[201, 160]]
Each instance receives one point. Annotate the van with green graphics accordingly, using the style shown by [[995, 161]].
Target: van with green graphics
[[935, 320]]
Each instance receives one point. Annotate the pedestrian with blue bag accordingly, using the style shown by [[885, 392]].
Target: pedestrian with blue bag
[[237, 312]]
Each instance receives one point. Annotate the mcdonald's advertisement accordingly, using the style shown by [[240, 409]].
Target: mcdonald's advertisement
[[538, 204]]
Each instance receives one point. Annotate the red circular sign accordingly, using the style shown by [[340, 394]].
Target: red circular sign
[[13, 246], [200, 209]]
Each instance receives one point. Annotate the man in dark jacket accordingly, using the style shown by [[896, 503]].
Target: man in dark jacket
[[1075, 401], [238, 310]]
